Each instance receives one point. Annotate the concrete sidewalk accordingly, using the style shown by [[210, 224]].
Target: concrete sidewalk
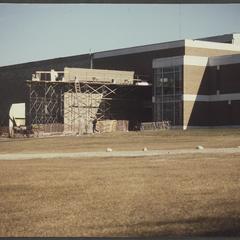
[[101, 154]]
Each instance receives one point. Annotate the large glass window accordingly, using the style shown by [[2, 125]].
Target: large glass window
[[168, 94]]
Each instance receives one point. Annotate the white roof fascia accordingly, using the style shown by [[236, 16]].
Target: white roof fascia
[[211, 45], [180, 60], [236, 35], [188, 60], [196, 61], [236, 39], [224, 60]]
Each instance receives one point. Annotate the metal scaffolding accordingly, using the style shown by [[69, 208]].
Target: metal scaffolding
[[73, 104], [44, 103], [67, 101], [84, 103]]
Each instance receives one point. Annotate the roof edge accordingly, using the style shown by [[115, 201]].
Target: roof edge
[[139, 49]]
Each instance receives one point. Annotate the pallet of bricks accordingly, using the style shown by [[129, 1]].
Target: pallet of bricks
[[43, 129], [105, 126], [155, 125]]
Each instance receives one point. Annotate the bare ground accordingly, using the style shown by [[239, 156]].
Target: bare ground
[[183, 195]]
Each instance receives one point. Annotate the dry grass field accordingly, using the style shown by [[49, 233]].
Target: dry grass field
[[173, 139], [185, 195]]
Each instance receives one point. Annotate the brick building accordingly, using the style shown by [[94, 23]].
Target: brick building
[[194, 82]]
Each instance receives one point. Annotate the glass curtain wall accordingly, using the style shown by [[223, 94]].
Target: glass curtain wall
[[168, 90]]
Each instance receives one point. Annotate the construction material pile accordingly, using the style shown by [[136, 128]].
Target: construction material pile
[[112, 126], [155, 125]]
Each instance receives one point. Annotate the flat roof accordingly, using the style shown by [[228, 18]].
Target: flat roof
[[35, 63], [220, 38], [167, 45], [139, 49]]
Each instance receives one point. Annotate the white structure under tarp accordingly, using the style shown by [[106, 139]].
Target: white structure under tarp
[[17, 113]]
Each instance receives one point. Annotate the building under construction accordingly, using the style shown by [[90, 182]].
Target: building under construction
[[71, 100], [188, 83]]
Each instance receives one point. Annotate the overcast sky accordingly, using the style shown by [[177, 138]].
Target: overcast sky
[[35, 32]]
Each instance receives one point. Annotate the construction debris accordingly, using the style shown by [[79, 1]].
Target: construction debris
[[155, 125]]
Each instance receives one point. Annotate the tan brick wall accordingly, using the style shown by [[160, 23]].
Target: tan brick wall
[[187, 111], [193, 77], [194, 82], [206, 52]]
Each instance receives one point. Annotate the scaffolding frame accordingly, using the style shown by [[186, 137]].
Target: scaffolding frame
[[74, 99], [44, 103], [85, 101]]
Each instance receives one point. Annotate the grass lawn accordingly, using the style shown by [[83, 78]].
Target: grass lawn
[[186, 195]]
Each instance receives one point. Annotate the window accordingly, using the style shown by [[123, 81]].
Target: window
[[168, 94]]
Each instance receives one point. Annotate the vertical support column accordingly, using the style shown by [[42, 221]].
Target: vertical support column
[[174, 96], [162, 77], [28, 105]]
